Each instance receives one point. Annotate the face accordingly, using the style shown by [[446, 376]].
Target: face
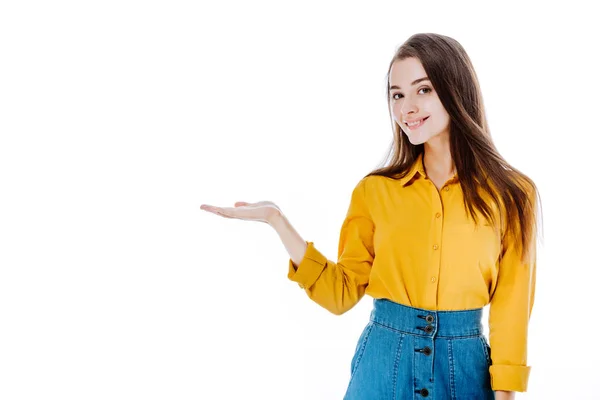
[[413, 100]]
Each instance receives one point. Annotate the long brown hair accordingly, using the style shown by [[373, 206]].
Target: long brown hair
[[480, 167]]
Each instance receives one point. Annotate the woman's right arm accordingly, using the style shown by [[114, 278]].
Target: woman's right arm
[[336, 286], [293, 242]]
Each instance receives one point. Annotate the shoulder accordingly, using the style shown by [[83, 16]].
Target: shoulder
[[516, 184], [374, 181], [528, 186], [372, 186]]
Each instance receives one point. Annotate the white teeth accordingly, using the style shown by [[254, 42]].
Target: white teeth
[[414, 123]]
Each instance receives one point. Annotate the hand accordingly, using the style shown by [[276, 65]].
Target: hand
[[263, 211], [504, 395]]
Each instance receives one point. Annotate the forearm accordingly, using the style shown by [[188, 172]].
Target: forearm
[[293, 242], [504, 395]]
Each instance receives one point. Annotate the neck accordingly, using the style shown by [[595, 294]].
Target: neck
[[437, 158]]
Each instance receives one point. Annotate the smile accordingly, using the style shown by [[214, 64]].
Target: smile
[[416, 124]]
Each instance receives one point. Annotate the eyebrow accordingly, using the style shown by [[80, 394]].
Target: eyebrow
[[414, 82]]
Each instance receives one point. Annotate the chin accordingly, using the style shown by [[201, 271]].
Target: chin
[[416, 140]]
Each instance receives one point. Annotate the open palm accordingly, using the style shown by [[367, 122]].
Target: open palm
[[262, 211]]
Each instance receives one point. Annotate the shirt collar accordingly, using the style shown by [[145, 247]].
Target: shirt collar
[[417, 167]]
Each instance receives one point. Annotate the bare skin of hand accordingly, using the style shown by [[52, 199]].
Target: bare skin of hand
[[262, 211]]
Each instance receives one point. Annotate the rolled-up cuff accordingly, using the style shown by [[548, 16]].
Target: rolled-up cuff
[[310, 268], [510, 377]]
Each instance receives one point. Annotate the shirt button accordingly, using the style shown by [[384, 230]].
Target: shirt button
[[435, 246], [447, 188], [301, 286], [433, 279], [437, 215]]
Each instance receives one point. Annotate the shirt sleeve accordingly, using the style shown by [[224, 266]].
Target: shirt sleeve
[[338, 286], [510, 311]]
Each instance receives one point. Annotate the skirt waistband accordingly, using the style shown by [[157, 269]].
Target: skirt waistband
[[418, 321]]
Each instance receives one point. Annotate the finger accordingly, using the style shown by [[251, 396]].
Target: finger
[[208, 207], [213, 209], [220, 212], [227, 212]]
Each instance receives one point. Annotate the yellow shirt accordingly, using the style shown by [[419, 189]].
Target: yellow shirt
[[405, 241]]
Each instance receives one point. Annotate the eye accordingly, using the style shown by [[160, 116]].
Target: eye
[[393, 95]]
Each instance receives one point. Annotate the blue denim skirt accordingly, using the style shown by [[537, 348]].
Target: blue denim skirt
[[412, 353]]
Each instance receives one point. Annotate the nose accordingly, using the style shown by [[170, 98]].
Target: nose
[[408, 107]]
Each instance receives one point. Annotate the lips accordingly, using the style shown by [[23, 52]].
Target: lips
[[420, 124]]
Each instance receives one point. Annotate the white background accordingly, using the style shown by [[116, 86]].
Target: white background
[[119, 118]]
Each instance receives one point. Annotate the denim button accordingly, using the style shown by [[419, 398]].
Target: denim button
[[427, 351], [428, 328], [424, 392], [429, 318]]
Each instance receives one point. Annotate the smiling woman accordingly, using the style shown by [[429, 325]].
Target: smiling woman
[[446, 228], [413, 106]]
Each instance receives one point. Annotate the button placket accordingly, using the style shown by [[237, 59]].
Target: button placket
[[429, 319], [435, 245], [429, 329]]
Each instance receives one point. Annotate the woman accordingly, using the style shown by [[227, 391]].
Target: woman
[[447, 227]]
